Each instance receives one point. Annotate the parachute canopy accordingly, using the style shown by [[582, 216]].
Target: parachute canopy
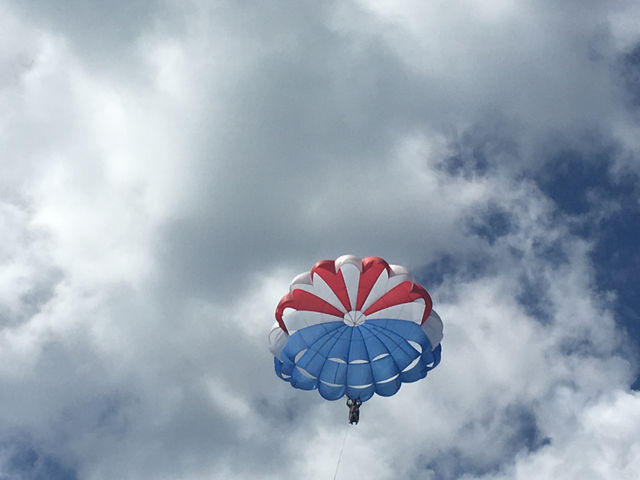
[[355, 327]]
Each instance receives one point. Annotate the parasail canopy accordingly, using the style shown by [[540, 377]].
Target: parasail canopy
[[355, 327]]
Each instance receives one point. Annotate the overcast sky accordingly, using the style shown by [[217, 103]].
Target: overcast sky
[[167, 168]]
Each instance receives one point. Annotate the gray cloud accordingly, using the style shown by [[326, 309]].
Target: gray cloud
[[171, 167]]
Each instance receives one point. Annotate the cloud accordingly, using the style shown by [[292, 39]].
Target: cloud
[[602, 444], [171, 167]]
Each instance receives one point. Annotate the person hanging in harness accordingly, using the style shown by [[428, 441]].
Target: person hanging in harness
[[354, 410]]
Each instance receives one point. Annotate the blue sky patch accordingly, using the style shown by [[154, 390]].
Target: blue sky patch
[[24, 462], [604, 209]]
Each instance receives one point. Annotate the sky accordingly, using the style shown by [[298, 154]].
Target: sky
[[167, 168]]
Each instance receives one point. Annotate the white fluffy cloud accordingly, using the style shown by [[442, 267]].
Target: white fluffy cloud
[[169, 168]]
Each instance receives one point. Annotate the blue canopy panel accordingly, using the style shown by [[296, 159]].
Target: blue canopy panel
[[375, 357]]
